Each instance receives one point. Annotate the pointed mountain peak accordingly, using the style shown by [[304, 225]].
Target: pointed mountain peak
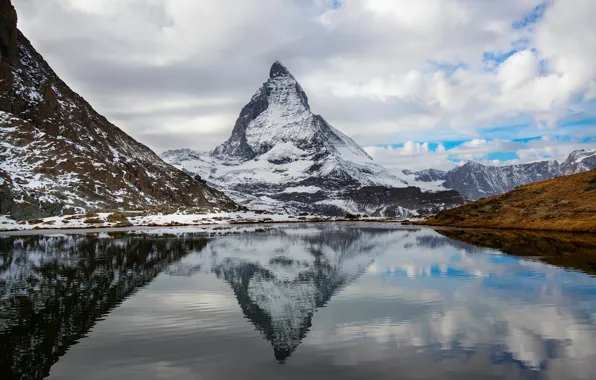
[[279, 70], [472, 164]]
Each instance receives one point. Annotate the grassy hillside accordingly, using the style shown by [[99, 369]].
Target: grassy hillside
[[561, 204]]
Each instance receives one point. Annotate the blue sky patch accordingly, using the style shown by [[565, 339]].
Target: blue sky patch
[[534, 16], [502, 156]]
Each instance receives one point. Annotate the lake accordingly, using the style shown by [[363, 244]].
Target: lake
[[316, 301]]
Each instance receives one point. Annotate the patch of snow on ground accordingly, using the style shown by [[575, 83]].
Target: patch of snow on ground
[[302, 189]]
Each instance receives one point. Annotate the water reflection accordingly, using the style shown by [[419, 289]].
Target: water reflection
[[567, 250], [333, 301], [54, 289], [280, 279]]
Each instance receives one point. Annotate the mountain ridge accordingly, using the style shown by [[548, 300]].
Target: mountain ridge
[[474, 180], [59, 156]]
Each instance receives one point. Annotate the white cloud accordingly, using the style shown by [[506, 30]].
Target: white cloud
[[406, 70], [517, 70]]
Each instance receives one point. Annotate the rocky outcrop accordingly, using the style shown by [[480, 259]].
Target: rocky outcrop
[[8, 33], [58, 155]]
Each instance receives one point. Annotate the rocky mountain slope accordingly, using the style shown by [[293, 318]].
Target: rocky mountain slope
[[58, 155], [566, 203], [280, 155], [475, 181]]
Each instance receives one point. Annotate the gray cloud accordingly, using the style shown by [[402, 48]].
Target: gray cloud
[[176, 73]]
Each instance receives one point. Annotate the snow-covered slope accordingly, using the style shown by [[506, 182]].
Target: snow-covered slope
[[281, 155], [59, 156], [579, 161], [474, 180]]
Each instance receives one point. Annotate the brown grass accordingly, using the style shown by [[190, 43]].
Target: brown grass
[[561, 204]]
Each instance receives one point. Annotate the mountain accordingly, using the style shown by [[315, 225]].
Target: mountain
[[59, 156], [475, 181], [579, 161], [281, 155], [566, 203]]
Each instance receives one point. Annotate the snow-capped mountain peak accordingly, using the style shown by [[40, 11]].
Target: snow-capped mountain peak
[[279, 114], [282, 155]]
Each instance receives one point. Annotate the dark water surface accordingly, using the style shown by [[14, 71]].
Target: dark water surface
[[326, 301]]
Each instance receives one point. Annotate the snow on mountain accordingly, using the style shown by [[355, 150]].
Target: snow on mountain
[[474, 180], [281, 155], [579, 161], [59, 156]]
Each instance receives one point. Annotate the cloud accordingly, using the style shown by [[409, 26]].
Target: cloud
[[175, 73], [419, 155]]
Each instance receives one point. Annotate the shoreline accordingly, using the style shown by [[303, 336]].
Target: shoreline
[[217, 225], [503, 228]]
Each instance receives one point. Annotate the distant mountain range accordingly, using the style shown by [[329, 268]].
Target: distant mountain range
[[281, 156], [59, 156], [566, 203], [475, 181]]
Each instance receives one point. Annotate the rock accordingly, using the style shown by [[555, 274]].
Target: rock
[[8, 33]]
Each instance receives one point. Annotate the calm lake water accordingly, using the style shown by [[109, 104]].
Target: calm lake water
[[324, 301]]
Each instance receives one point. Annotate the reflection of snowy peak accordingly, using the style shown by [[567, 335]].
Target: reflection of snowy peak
[[281, 155], [281, 279]]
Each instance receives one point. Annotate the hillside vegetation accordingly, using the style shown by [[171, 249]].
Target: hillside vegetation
[[562, 204]]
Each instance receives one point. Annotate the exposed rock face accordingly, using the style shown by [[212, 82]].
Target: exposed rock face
[[428, 175], [282, 156], [475, 181], [8, 33], [579, 161], [397, 201], [58, 155]]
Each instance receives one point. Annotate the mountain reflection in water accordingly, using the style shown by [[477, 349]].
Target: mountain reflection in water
[[333, 301]]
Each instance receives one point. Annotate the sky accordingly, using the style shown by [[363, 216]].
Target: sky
[[418, 84]]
